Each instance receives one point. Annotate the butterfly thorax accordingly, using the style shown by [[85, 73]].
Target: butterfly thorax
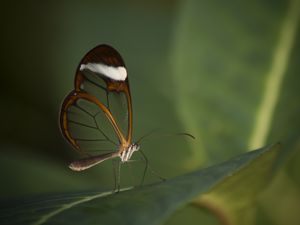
[[127, 152]]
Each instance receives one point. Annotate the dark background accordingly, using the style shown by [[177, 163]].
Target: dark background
[[194, 67]]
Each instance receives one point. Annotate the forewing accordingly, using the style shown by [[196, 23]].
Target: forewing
[[113, 94], [97, 115]]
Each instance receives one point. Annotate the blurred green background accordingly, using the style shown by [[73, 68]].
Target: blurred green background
[[226, 72]]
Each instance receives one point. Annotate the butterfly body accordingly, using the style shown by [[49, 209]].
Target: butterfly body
[[124, 153]]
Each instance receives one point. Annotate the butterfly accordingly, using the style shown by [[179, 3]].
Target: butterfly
[[97, 114]]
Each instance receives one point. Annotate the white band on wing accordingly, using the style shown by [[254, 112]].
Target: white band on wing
[[114, 73]]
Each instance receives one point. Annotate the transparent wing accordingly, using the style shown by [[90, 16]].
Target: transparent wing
[[97, 114], [116, 101], [86, 126]]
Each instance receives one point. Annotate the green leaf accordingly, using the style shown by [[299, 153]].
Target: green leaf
[[235, 68], [242, 177], [230, 64], [236, 195]]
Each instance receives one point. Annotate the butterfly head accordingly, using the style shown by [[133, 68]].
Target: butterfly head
[[134, 147], [126, 155]]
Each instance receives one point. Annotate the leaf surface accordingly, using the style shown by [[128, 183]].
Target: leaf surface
[[150, 204]]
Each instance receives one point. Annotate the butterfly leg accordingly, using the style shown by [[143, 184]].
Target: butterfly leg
[[147, 166], [117, 175]]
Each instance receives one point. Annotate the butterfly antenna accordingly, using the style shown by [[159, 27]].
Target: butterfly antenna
[[146, 135], [171, 134], [184, 134]]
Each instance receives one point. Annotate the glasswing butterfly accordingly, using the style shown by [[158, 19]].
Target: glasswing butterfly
[[97, 114]]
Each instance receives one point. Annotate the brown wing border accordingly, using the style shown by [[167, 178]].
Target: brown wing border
[[69, 101]]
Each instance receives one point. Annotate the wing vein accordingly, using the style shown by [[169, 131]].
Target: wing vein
[[94, 83], [82, 124], [97, 126]]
